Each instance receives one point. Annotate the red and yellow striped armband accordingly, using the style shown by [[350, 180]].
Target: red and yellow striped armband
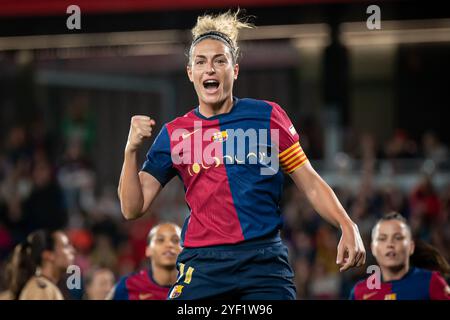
[[292, 158]]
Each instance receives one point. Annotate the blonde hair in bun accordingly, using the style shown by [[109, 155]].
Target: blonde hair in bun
[[224, 27]]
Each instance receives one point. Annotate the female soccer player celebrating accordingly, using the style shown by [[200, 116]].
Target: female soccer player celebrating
[[399, 259], [38, 264], [232, 246]]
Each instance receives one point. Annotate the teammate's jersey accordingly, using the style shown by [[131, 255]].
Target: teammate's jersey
[[140, 286], [417, 284], [229, 165], [40, 288]]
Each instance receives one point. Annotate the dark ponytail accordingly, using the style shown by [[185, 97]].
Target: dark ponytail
[[27, 257], [428, 257], [425, 256]]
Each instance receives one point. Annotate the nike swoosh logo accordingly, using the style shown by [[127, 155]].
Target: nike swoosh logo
[[367, 296], [145, 296], [185, 135]]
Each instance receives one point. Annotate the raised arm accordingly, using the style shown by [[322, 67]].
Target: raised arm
[[136, 190]]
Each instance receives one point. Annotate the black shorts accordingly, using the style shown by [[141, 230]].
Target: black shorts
[[252, 270]]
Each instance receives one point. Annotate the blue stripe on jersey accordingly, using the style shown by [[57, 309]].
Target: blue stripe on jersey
[[250, 190], [121, 291], [414, 286]]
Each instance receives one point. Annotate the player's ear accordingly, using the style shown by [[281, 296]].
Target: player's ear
[[236, 71], [148, 252], [189, 72], [412, 247], [48, 255], [372, 248]]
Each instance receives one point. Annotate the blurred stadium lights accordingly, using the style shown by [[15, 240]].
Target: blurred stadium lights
[[92, 40], [396, 32], [305, 33], [302, 36]]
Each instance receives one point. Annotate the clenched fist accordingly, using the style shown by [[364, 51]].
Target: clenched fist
[[140, 130]]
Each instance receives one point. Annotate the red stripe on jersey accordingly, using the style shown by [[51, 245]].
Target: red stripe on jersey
[[214, 219]]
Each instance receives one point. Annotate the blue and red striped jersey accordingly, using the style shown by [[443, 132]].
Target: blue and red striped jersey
[[140, 286], [229, 165], [417, 284]]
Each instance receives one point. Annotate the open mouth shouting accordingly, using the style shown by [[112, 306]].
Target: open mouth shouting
[[391, 255], [211, 86]]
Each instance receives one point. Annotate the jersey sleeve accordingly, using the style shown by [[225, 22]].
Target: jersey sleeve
[[159, 161], [39, 290], [439, 288], [120, 290], [291, 155], [352, 294]]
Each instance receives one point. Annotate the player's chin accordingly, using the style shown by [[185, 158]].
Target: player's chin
[[211, 99], [68, 262], [169, 262], [391, 263]]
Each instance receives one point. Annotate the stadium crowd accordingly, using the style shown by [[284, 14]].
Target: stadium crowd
[[51, 183]]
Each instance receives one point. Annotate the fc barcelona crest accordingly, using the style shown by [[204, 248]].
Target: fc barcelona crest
[[176, 291]]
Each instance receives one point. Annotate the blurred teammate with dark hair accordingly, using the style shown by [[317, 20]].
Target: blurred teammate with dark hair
[[38, 264], [153, 284], [231, 240], [410, 270]]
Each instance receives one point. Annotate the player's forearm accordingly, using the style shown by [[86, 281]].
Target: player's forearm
[[325, 202], [130, 189], [321, 196]]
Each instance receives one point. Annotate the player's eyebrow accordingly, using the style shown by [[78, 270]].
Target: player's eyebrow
[[204, 57]]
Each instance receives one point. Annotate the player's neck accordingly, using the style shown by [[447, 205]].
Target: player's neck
[[210, 110], [163, 276], [49, 272], [392, 274]]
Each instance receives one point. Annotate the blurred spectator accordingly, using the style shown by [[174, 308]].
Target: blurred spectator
[[104, 253], [401, 146], [324, 285], [78, 123], [83, 241], [107, 204], [14, 190], [395, 200], [45, 207], [77, 179], [98, 283], [362, 146], [425, 201], [17, 146], [433, 149], [302, 245], [302, 271], [326, 247]]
